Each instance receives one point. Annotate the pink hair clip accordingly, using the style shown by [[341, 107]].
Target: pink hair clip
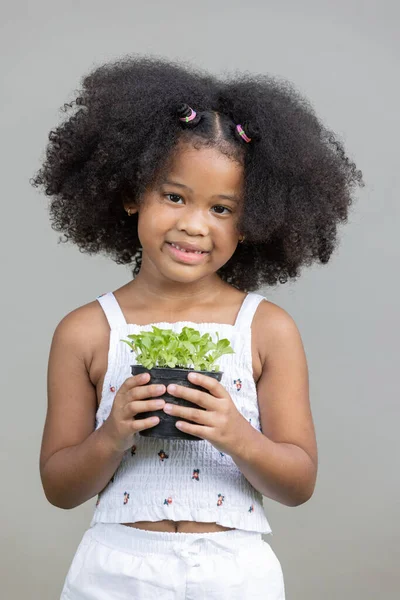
[[190, 117], [242, 134]]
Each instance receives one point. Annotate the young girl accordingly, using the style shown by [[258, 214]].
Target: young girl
[[212, 188]]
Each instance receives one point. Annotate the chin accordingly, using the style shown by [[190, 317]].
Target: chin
[[185, 278]]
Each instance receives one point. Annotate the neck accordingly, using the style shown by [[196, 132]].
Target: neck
[[175, 294]]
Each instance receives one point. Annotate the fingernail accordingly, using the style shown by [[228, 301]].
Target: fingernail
[[172, 388]]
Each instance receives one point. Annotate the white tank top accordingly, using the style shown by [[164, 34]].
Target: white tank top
[[182, 480]]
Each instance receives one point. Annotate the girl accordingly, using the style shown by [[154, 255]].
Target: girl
[[211, 188]]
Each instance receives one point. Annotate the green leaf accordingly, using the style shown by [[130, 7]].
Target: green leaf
[[126, 342], [187, 349]]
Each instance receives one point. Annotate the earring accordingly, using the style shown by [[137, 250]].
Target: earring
[[129, 212], [241, 239]]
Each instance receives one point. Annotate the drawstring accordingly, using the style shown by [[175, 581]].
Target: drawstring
[[189, 555]]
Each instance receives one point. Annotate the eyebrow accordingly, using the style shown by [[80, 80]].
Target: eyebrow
[[186, 187]]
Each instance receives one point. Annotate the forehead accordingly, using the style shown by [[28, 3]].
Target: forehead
[[206, 167]]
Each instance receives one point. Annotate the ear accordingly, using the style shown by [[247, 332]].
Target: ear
[[131, 207]]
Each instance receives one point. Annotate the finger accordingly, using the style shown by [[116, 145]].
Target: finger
[[146, 391], [209, 383], [202, 399], [142, 424], [134, 381], [198, 430], [196, 415], [134, 408]]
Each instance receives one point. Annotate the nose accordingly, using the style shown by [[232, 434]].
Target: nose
[[193, 221]]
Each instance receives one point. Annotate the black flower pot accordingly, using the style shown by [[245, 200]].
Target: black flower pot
[[165, 375]]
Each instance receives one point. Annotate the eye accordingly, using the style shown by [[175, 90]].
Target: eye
[[173, 197], [223, 208]]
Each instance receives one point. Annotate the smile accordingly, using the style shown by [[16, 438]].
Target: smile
[[190, 251], [195, 257]]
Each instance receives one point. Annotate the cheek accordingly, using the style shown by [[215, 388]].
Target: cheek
[[228, 231], [150, 225]]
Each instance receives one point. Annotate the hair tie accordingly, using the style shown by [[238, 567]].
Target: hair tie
[[187, 117], [242, 134]]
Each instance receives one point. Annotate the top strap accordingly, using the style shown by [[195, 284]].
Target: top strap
[[247, 310], [112, 310]]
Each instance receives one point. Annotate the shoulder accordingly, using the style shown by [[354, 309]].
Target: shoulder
[[273, 328], [82, 330]]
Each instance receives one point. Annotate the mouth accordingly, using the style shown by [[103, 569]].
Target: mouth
[[186, 256]]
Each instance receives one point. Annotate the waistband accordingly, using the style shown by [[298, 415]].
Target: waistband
[[133, 541]]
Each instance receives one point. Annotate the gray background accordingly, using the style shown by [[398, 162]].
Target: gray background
[[344, 55]]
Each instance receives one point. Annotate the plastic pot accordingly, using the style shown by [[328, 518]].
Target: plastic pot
[[165, 375]]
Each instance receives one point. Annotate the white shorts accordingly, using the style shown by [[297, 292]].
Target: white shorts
[[114, 561]]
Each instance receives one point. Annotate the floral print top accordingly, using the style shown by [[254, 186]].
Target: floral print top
[[182, 480]]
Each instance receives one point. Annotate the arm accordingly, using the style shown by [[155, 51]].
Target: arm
[[281, 462], [76, 462]]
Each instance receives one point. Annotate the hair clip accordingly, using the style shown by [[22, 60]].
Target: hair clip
[[242, 134]]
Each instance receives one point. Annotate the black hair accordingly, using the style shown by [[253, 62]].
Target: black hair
[[124, 126]]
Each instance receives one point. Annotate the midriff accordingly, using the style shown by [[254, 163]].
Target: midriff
[[178, 526]]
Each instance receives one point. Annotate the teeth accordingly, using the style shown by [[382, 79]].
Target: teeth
[[190, 251]]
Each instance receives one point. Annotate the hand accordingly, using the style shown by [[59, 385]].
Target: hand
[[121, 426], [220, 423]]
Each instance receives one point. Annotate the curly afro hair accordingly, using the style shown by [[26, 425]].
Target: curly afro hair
[[124, 126]]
